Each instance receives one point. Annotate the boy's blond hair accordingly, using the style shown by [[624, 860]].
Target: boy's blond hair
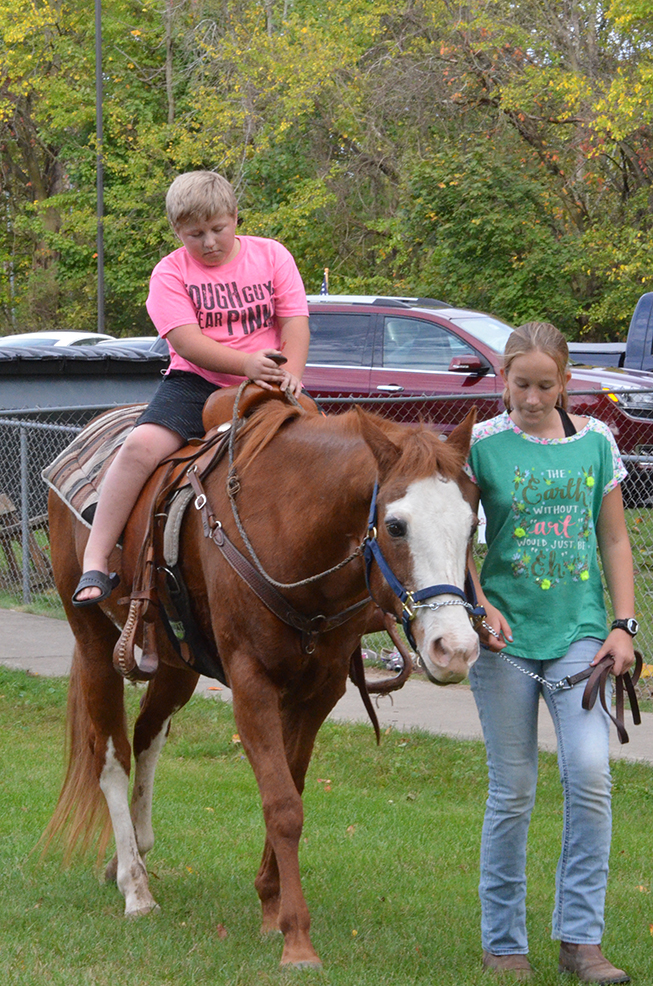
[[542, 337], [197, 196]]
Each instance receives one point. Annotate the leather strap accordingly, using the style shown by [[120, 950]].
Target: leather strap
[[597, 678], [308, 626], [144, 598]]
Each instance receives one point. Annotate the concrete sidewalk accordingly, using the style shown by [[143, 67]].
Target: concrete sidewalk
[[41, 645]]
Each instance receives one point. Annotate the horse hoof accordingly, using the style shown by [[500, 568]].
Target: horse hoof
[[143, 910], [309, 961], [304, 964]]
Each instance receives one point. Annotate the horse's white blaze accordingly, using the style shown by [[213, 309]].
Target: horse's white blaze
[[439, 522], [131, 873], [143, 792]]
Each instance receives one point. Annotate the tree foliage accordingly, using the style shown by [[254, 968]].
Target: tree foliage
[[495, 155]]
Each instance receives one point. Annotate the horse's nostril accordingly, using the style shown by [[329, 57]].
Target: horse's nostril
[[440, 653]]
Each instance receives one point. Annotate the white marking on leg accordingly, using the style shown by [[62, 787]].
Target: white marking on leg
[[131, 872]]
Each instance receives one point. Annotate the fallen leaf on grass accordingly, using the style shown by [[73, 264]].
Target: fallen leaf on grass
[[351, 829], [221, 931], [235, 738]]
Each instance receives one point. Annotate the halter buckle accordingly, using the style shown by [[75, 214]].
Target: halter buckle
[[409, 607]]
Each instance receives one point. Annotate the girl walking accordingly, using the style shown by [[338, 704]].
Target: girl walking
[[549, 483]]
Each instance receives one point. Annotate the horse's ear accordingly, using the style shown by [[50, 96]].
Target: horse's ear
[[385, 451], [461, 437]]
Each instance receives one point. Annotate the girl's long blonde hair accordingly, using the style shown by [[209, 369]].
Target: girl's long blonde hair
[[544, 338]]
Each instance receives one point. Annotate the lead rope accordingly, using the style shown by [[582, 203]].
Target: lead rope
[[596, 677]]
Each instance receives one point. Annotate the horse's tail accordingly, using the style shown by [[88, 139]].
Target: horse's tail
[[81, 815]]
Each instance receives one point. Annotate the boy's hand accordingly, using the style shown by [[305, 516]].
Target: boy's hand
[[263, 370], [292, 383]]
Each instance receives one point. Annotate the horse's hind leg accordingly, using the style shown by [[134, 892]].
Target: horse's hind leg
[[168, 692], [130, 871], [100, 690], [99, 750], [268, 889]]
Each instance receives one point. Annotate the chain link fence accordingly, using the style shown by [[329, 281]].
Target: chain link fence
[[33, 438]]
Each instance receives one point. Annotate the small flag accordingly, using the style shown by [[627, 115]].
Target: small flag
[[325, 282]]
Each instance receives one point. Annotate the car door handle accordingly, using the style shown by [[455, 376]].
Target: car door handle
[[390, 388]]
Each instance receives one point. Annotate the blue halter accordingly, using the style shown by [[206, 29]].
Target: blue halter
[[411, 600]]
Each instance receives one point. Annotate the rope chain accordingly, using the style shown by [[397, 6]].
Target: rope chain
[[555, 687]]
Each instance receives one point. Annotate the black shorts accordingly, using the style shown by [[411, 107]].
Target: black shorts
[[178, 403]]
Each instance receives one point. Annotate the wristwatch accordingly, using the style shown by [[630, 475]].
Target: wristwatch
[[631, 626]]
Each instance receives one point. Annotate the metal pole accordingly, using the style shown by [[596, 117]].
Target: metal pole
[[24, 515], [99, 165]]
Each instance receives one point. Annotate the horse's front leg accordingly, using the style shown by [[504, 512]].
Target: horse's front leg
[[257, 714], [169, 691], [301, 722]]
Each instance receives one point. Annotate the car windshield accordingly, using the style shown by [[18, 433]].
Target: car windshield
[[8, 341], [47, 341], [491, 331]]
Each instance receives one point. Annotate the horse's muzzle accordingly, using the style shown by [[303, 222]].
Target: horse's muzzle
[[446, 662]]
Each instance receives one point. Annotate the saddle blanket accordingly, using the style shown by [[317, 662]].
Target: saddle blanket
[[77, 473]]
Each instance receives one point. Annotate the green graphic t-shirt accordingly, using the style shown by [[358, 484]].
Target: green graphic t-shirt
[[542, 499]]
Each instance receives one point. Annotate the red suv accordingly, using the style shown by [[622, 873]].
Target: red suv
[[407, 353]]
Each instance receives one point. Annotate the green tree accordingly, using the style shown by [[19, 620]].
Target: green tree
[[497, 154]]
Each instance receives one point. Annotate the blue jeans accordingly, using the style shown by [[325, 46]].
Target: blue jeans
[[507, 702]]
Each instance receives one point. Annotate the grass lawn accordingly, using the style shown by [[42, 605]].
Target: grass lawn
[[389, 859]]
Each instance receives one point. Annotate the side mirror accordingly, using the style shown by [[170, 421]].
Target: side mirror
[[468, 364]]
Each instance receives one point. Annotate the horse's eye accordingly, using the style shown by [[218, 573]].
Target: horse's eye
[[396, 528]]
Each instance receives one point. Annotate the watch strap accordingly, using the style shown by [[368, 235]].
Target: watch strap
[[630, 625]]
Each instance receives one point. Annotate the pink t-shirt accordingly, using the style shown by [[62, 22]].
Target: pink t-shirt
[[236, 304]]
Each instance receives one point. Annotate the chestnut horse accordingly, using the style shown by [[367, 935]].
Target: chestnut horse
[[306, 483]]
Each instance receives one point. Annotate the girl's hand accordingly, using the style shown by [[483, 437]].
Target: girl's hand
[[263, 370], [619, 645], [498, 622]]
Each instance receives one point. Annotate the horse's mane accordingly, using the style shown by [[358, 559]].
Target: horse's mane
[[422, 452], [422, 449]]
